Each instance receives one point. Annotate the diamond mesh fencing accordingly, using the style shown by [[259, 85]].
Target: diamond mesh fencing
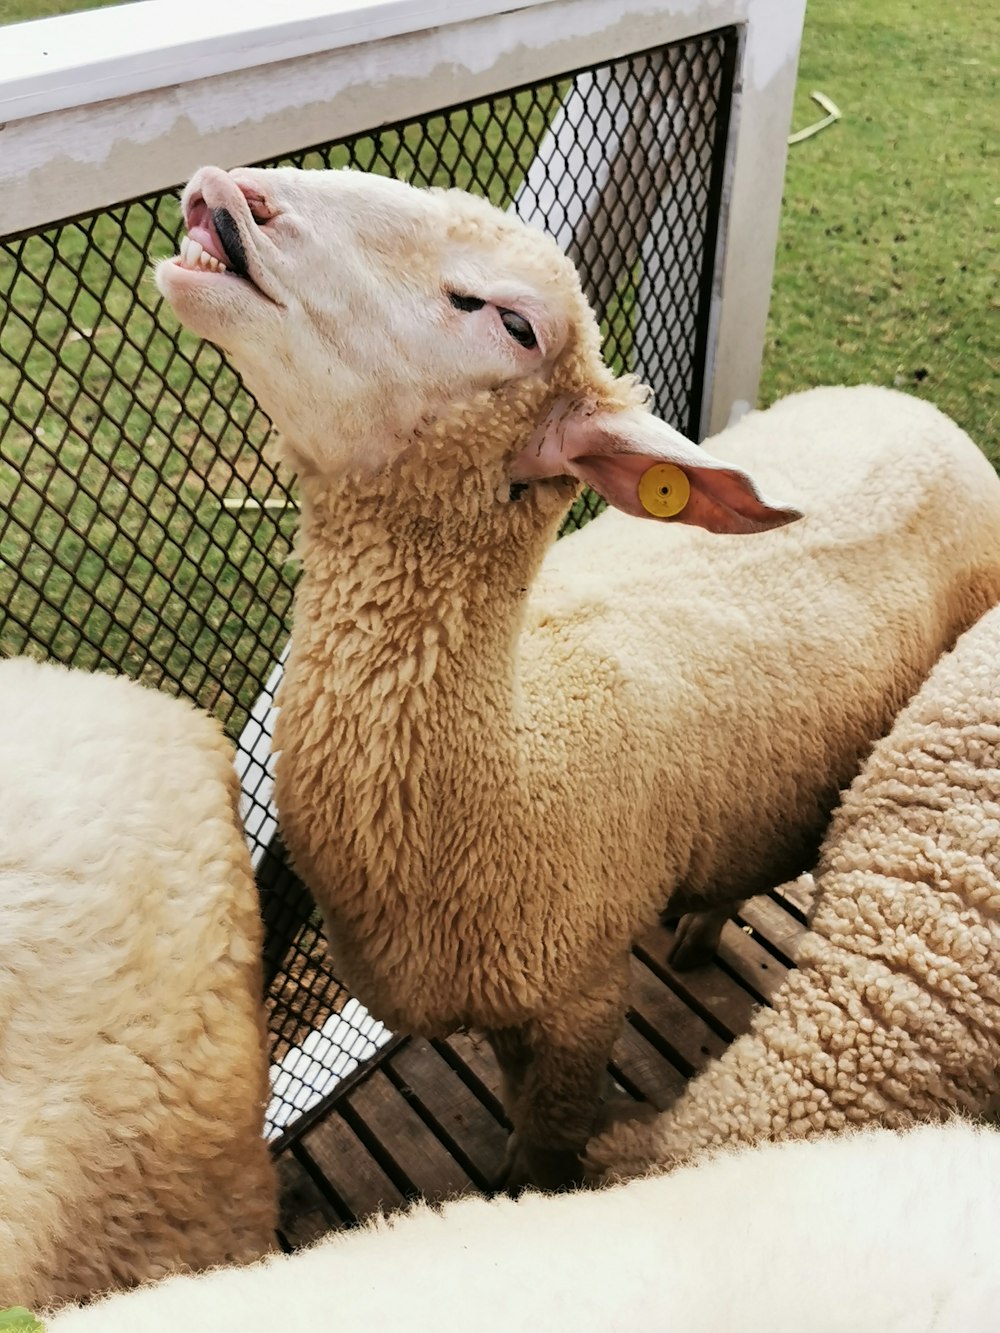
[[143, 528]]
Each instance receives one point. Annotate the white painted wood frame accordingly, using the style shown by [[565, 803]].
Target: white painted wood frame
[[107, 105]]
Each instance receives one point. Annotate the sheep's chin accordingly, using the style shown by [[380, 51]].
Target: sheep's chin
[[218, 306]]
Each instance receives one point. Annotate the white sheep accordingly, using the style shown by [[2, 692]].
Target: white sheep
[[132, 1064], [865, 1233], [892, 1014], [498, 759]]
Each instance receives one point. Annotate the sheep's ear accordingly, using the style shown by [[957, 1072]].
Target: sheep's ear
[[641, 465]]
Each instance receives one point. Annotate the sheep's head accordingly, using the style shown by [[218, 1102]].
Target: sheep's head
[[368, 315]]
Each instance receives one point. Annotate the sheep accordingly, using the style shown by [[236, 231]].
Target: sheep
[[499, 758], [893, 1012], [863, 1233], [132, 1063]]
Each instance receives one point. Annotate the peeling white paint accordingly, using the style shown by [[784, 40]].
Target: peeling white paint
[[55, 163], [88, 57]]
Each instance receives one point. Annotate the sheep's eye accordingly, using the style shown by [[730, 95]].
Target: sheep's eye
[[465, 303], [518, 328]]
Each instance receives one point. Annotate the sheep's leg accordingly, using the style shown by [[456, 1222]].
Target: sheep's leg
[[555, 1078], [697, 938]]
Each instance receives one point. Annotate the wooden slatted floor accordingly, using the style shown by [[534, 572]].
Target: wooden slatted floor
[[424, 1119]]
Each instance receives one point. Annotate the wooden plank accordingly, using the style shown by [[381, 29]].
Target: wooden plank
[[682, 1035], [478, 1059], [647, 1070], [358, 1181], [801, 893], [303, 1214], [404, 1138], [779, 928], [756, 966], [709, 989], [460, 1118]]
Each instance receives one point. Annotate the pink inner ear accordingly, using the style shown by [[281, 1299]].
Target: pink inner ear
[[722, 499], [611, 452]]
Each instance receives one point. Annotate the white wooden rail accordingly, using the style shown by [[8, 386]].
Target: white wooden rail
[[104, 106]]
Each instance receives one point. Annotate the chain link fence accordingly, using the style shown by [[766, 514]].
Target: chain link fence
[[143, 528]]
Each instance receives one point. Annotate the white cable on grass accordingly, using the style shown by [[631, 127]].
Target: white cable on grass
[[833, 113]]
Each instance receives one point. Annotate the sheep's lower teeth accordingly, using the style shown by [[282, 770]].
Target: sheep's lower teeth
[[194, 255]]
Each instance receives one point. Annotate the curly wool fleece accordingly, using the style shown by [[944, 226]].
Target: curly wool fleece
[[132, 1064], [892, 1014]]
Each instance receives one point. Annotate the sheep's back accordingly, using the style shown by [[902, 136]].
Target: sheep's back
[[132, 1067], [910, 869], [892, 1012], [761, 668], [869, 1232]]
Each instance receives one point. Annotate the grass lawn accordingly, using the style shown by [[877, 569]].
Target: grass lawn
[[18, 11], [887, 257], [117, 438]]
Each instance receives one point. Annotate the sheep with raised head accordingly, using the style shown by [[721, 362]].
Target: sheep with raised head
[[862, 1233], [133, 1071], [500, 759], [892, 1014]]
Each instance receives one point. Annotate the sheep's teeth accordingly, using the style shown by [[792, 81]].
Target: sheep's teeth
[[192, 254]]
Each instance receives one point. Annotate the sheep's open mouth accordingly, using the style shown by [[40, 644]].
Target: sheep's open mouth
[[214, 244]]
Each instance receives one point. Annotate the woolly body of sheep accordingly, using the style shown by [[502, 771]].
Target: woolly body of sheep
[[132, 1063], [500, 759], [892, 1013], [868, 1233]]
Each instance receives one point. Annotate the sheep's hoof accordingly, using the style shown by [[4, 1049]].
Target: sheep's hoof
[[548, 1169], [696, 940]]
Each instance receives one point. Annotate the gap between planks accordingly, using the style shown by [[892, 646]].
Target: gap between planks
[[425, 1119]]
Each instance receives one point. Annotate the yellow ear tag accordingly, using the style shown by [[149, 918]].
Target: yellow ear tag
[[664, 490]]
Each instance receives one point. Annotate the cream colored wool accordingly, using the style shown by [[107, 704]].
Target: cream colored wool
[[132, 1061], [500, 759], [893, 1012], [866, 1233]]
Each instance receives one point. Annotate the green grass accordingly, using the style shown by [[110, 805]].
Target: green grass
[[19, 11], [887, 255], [118, 438]]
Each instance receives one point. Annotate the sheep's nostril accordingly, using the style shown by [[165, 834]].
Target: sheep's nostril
[[260, 210], [231, 241]]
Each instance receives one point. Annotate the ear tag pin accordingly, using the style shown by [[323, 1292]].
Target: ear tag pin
[[664, 490]]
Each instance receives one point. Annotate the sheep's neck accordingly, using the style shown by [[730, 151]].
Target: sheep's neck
[[400, 713]]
